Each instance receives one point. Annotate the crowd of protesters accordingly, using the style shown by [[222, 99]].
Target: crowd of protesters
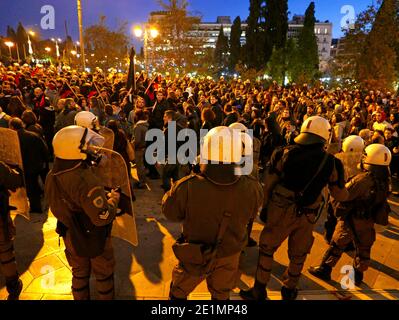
[[39, 101]]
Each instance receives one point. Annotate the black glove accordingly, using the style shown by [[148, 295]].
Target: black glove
[[263, 215]]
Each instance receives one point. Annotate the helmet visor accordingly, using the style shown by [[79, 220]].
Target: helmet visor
[[91, 139]]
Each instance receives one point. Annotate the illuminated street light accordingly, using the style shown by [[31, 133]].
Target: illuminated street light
[[74, 52], [57, 48], [154, 33], [139, 33], [9, 44], [47, 49], [82, 44], [30, 49]]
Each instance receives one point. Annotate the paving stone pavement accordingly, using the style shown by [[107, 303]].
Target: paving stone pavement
[[144, 272]]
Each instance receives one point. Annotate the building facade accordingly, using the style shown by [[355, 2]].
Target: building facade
[[208, 33]]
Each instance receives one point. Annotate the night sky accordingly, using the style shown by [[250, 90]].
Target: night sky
[[136, 11]]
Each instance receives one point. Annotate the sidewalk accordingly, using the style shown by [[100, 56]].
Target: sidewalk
[[145, 272]]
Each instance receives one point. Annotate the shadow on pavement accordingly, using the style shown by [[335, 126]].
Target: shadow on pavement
[[124, 288], [28, 242], [385, 269], [248, 268], [149, 253]]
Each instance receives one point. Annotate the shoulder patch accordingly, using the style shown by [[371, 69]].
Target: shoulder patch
[[99, 202]]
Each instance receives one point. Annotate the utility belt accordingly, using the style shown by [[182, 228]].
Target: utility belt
[[198, 258], [291, 198]]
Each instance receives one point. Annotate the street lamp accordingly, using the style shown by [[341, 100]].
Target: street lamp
[[82, 45], [154, 33], [139, 32], [30, 49], [57, 48], [9, 44]]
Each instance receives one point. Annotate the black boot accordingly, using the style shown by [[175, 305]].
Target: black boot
[[358, 277], [289, 294], [257, 293], [322, 272], [14, 288]]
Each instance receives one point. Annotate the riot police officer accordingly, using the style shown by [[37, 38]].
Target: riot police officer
[[365, 210], [350, 156], [293, 186], [88, 120], [214, 208], [255, 155], [10, 180], [84, 211]]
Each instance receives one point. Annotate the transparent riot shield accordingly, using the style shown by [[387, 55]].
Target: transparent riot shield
[[112, 171], [109, 137], [10, 153], [351, 161]]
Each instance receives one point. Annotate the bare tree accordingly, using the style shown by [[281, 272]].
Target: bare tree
[[176, 48]]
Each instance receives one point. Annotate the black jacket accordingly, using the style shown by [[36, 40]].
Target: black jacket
[[218, 111], [33, 150], [156, 117]]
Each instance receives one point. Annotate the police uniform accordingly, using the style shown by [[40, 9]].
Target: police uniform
[[290, 170], [10, 180], [293, 200], [365, 206], [199, 202], [78, 200], [350, 161]]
